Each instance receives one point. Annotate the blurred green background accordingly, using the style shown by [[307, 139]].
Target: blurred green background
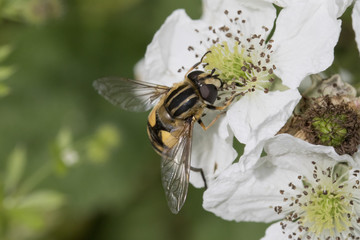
[[72, 165]]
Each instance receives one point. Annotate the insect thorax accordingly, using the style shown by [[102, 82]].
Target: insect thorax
[[183, 101]]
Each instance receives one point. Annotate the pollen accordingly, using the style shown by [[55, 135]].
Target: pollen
[[327, 210], [241, 60], [238, 65]]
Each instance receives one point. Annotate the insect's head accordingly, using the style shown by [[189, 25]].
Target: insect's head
[[208, 84]]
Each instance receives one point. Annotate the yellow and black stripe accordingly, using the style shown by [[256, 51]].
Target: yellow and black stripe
[[180, 100], [154, 132], [167, 120]]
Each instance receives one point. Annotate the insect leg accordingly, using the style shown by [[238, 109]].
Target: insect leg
[[197, 64], [202, 174], [211, 123], [226, 103]]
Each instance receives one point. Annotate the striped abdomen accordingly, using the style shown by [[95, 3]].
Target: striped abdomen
[[163, 130], [167, 120]]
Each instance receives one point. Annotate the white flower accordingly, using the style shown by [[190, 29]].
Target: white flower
[[356, 22], [338, 7], [236, 32], [341, 6], [139, 69], [212, 151], [335, 7], [314, 192]]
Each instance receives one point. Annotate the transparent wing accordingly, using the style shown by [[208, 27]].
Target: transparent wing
[[175, 170], [128, 94]]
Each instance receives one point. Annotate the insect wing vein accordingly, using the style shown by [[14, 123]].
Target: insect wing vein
[[128, 94], [175, 170]]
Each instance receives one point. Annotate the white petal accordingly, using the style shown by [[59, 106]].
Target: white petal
[[261, 114], [356, 22], [341, 6], [356, 157], [280, 3], [290, 152], [274, 232], [212, 151], [257, 117], [304, 40], [168, 51], [139, 69], [251, 155], [256, 13], [248, 196], [337, 7], [293, 154]]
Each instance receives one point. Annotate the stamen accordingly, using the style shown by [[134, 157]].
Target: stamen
[[236, 58], [325, 212]]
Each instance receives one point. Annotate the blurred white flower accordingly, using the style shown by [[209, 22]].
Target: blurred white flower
[[69, 156], [313, 192]]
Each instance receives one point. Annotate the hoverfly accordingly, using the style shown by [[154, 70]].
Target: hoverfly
[[171, 121]]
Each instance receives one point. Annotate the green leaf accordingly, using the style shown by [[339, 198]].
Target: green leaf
[[33, 211], [15, 168], [4, 90], [60, 166], [28, 218], [99, 146], [4, 52], [108, 134], [64, 137], [6, 72], [43, 200]]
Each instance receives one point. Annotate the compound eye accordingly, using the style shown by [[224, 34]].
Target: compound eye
[[208, 92], [194, 75]]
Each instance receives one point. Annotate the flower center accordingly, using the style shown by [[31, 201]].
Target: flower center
[[327, 211], [242, 60], [330, 129], [330, 124], [236, 65], [323, 206]]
